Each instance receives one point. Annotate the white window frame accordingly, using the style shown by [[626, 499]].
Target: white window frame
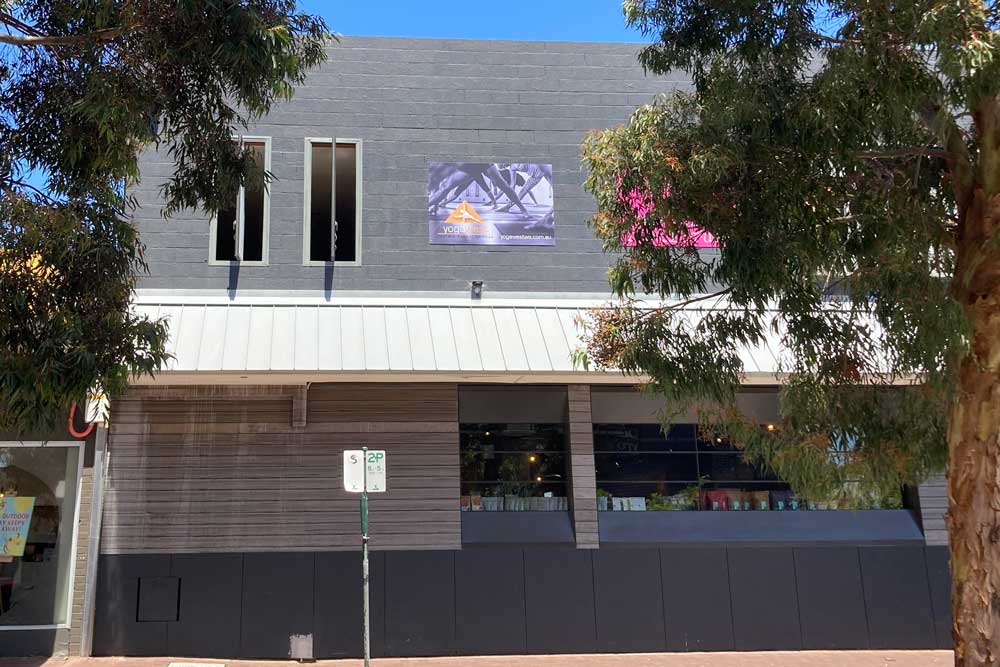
[[79, 444], [307, 197], [240, 208]]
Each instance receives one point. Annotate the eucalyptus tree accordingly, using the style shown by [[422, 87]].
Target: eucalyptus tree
[[84, 87], [845, 156]]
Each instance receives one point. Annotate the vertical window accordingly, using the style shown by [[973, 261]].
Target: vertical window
[[332, 201], [241, 230], [38, 504]]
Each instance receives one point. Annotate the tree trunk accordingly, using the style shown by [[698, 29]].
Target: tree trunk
[[974, 449]]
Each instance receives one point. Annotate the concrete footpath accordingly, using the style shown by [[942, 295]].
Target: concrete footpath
[[769, 659]]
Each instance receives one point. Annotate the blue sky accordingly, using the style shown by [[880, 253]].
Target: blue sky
[[557, 20]]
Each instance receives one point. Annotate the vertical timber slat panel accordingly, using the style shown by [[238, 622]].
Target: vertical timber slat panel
[[581, 461], [220, 469]]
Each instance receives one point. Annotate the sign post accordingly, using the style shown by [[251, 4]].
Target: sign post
[[365, 471]]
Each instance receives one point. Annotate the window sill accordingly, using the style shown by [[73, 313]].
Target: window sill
[[355, 262], [233, 262]]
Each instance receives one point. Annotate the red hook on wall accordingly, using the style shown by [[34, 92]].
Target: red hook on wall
[[72, 431]]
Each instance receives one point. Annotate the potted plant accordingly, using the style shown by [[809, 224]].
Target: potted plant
[[603, 500]]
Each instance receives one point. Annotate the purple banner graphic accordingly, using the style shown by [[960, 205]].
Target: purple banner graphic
[[490, 204]]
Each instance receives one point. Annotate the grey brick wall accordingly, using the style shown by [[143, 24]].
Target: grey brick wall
[[413, 102], [933, 505]]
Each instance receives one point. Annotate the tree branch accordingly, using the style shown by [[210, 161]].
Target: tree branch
[[106, 35], [910, 151], [832, 40]]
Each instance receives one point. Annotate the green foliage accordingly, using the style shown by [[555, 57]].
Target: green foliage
[[836, 167], [84, 88]]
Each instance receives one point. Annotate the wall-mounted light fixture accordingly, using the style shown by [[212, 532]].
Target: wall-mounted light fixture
[[476, 291]]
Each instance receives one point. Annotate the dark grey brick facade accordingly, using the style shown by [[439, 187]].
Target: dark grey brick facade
[[411, 102]]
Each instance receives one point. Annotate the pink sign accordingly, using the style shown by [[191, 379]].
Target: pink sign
[[660, 238], [641, 202]]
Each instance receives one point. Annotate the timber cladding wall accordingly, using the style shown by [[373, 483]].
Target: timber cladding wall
[[202, 469]]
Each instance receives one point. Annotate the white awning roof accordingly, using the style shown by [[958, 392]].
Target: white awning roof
[[314, 339]]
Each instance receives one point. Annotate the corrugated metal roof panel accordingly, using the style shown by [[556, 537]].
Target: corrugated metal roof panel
[[398, 339], [306, 345], [443, 339], [421, 342], [329, 355], [352, 338], [413, 336], [283, 339], [466, 342]]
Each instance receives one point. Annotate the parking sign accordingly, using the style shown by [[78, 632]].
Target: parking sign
[[354, 471]]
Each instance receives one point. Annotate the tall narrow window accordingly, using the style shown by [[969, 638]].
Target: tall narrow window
[[241, 230], [332, 201]]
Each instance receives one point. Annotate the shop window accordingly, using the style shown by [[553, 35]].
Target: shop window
[[639, 468], [513, 467], [38, 498], [332, 201], [240, 231]]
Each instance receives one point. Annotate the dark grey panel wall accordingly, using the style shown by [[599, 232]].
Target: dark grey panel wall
[[117, 630], [899, 609], [696, 599], [489, 601], [420, 603], [413, 102], [559, 601], [629, 601], [530, 600], [210, 609], [939, 579], [337, 599], [831, 598], [277, 603], [765, 602]]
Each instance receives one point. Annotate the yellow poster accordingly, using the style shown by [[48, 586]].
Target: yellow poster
[[15, 517]]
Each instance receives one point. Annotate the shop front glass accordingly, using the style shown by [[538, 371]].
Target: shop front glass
[[38, 498], [641, 468], [513, 467]]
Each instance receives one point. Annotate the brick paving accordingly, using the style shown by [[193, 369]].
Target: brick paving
[[768, 659]]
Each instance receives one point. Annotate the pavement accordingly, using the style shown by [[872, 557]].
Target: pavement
[[768, 659]]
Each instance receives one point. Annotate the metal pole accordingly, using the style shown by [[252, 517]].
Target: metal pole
[[364, 554]]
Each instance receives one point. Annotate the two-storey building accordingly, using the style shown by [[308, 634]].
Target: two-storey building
[[410, 282]]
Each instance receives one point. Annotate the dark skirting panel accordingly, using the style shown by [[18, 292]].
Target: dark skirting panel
[[831, 598], [696, 599], [629, 601], [489, 601], [531, 599], [211, 594], [277, 603], [939, 580], [897, 598], [516, 528], [419, 603], [559, 601], [31, 643], [117, 630], [337, 626], [765, 605], [760, 528]]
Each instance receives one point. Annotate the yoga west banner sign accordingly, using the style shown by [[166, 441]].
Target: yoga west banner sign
[[498, 203]]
